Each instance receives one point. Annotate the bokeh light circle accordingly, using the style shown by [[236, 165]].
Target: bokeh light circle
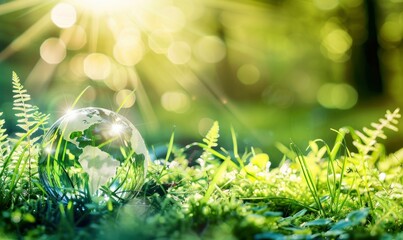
[[175, 101], [53, 51], [125, 98], [97, 66], [179, 53], [129, 48], [210, 49], [64, 15], [248, 74], [337, 96], [75, 37]]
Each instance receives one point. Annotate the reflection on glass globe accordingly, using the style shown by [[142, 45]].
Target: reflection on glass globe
[[93, 155]]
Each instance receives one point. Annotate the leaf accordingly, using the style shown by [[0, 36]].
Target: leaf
[[358, 216], [300, 213], [212, 135], [317, 222], [364, 141], [260, 160], [341, 225], [269, 235], [272, 214], [27, 114]]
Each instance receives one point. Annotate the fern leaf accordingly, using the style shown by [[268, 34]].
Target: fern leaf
[[27, 114], [22, 160], [367, 139], [210, 140], [212, 135]]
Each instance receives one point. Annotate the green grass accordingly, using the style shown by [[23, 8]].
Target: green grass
[[350, 188]]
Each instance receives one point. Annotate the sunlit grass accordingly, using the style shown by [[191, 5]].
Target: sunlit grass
[[344, 190]]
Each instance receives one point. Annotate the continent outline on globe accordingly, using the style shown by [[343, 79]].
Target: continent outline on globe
[[93, 155]]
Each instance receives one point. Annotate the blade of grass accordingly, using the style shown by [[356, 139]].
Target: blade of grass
[[308, 178], [218, 174], [235, 147], [125, 100], [170, 147]]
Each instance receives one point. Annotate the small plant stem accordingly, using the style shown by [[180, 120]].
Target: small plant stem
[[308, 178], [170, 147], [235, 146], [335, 187]]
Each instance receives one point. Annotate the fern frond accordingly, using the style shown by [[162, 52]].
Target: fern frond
[[212, 135], [21, 162], [27, 114], [366, 140], [20, 105], [210, 140]]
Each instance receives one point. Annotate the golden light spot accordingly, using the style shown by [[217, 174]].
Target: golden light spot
[[76, 64], [97, 66], [53, 51], [63, 15], [193, 10], [75, 37], [390, 31], [125, 97], [118, 80], [159, 41], [129, 48], [175, 102], [337, 96], [336, 44], [173, 19], [248, 74], [179, 53], [210, 49]]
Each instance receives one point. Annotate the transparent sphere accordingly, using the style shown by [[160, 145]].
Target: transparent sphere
[[93, 155]]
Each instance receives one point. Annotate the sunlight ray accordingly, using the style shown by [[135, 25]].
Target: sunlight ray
[[26, 37], [93, 44], [13, 6], [144, 102], [40, 76]]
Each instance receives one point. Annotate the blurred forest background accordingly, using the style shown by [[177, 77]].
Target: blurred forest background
[[275, 70]]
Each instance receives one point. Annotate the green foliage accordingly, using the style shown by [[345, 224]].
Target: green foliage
[[327, 191], [366, 141], [26, 114], [19, 155]]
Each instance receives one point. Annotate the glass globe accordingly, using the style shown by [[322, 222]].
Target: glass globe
[[93, 155]]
